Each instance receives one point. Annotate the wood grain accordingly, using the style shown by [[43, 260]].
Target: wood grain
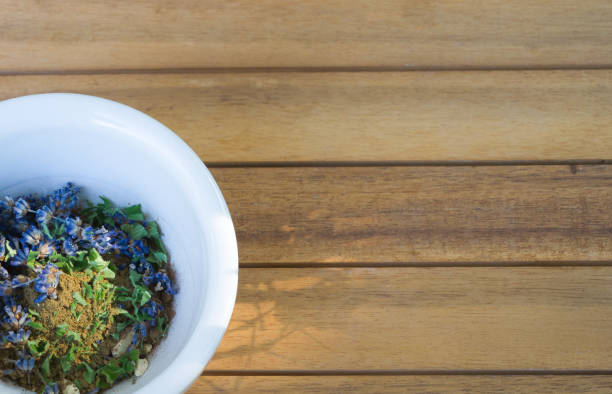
[[144, 34], [402, 384], [487, 214], [410, 116], [420, 318]]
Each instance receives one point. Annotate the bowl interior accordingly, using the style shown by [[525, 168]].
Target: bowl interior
[[112, 150]]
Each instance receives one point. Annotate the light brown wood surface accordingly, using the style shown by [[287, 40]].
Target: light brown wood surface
[[144, 34], [447, 318], [454, 214], [409, 116], [402, 384], [389, 267]]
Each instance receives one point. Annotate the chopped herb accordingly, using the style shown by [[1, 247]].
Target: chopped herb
[[79, 299], [60, 330], [157, 258], [134, 231], [38, 347], [134, 212], [88, 291], [36, 326], [73, 309], [57, 256], [72, 336], [111, 371], [89, 375], [45, 366]]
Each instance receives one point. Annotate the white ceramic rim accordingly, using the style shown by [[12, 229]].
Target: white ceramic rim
[[199, 349]]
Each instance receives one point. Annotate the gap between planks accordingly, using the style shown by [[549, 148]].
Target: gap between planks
[[395, 163], [306, 70], [400, 384], [433, 264], [411, 372]]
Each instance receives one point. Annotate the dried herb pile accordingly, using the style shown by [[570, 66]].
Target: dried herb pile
[[85, 292]]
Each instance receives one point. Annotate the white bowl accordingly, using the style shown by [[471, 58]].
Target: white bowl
[[114, 150]]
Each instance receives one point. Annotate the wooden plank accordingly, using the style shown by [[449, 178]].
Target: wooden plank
[[144, 34], [402, 384], [421, 214], [412, 116], [420, 318]]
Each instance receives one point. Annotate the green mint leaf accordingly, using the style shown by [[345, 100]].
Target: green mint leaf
[[70, 355], [59, 230], [135, 231], [73, 308], [45, 366], [154, 234], [121, 326], [89, 375], [107, 273], [135, 278], [96, 262], [127, 314], [36, 326], [32, 258], [153, 230], [134, 212], [72, 336], [108, 208], [101, 384], [128, 361], [111, 372], [79, 298], [157, 258], [95, 326], [60, 330], [161, 321], [38, 347], [128, 366], [66, 364], [45, 230], [88, 290], [141, 295], [133, 355]]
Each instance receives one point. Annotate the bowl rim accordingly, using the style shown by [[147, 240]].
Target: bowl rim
[[187, 157]]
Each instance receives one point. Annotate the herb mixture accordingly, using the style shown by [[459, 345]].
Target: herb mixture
[[85, 292]]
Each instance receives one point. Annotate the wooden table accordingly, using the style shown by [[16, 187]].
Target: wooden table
[[420, 188]]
